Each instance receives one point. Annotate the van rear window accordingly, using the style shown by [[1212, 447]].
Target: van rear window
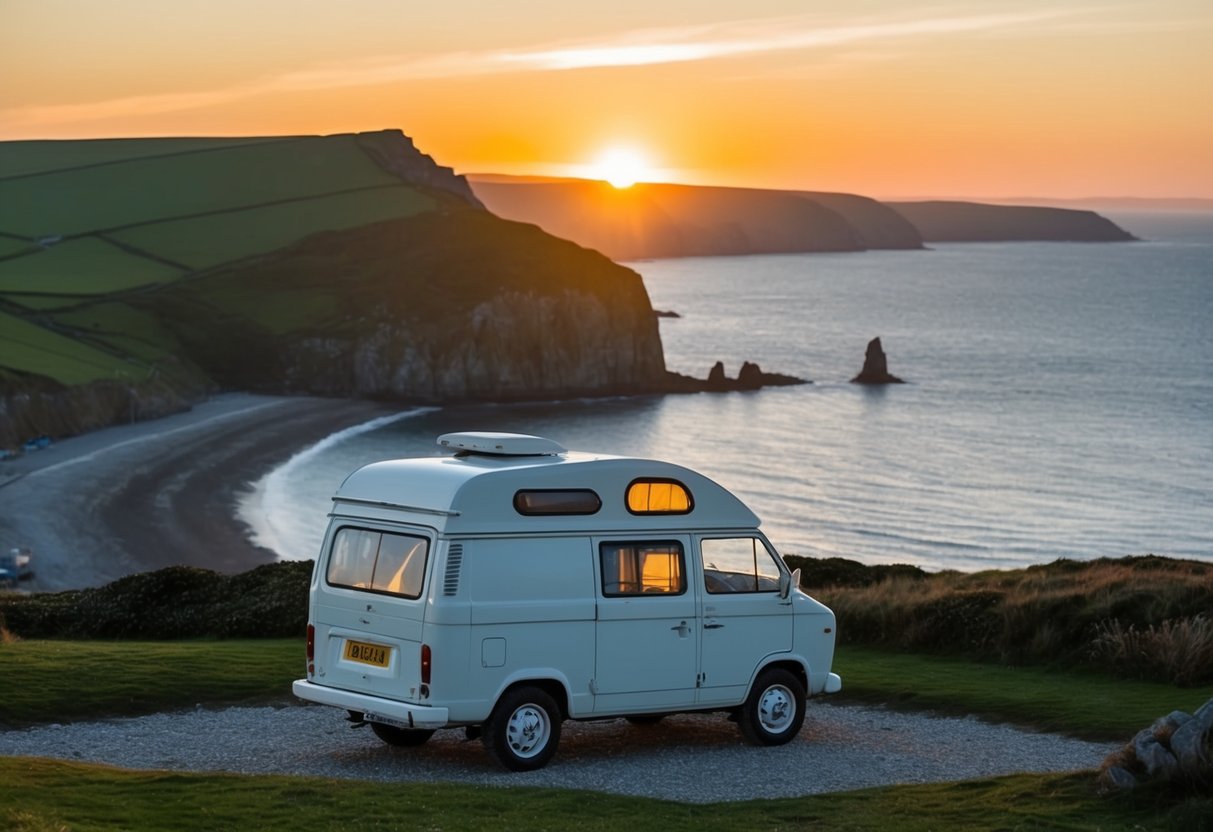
[[384, 562], [539, 502]]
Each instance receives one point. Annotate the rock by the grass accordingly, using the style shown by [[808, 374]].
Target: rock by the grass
[[1177, 747]]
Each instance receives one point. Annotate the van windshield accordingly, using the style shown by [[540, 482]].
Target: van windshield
[[393, 564]]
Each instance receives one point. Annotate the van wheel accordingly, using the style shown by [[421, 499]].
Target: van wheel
[[522, 731], [774, 710], [403, 737]]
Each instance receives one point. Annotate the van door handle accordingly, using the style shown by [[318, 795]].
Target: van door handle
[[712, 626], [681, 629]]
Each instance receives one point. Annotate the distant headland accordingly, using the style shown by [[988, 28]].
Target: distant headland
[[659, 220]]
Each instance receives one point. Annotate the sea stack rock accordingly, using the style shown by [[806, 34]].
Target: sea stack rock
[[875, 367]]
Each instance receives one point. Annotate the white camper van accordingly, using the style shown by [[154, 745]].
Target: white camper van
[[514, 584]]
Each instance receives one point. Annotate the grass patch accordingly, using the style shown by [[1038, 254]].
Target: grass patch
[[24, 158], [1081, 703], [88, 266], [45, 795], [11, 245], [29, 348], [55, 681], [125, 329], [146, 189], [203, 242]]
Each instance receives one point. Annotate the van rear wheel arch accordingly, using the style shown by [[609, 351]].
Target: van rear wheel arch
[[552, 687]]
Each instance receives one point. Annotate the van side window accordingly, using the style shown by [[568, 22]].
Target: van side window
[[659, 496], [393, 564], [543, 501], [738, 564], [642, 569]]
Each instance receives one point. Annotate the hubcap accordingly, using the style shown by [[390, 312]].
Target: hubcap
[[528, 730], [776, 709]]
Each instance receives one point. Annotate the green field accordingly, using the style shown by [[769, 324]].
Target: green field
[[83, 267], [10, 246], [33, 349], [85, 200], [204, 242], [30, 157], [88, 228]]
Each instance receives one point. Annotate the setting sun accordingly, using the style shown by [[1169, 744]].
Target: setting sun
[[622, 167]]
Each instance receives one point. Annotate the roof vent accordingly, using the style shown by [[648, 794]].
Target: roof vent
[[500, 444]]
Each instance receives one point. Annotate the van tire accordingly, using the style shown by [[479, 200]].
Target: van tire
[[401, 737], [523, 730], [774, 710]]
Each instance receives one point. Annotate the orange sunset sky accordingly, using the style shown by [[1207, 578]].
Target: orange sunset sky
[[1014, 98]]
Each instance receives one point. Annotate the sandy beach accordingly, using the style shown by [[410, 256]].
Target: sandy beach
[[139, 497]]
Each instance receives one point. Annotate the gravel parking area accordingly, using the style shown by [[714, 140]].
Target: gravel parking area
[[687, 758]]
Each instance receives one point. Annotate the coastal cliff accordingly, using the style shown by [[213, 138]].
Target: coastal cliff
[[445, 306], [655, 220], [139, 275], [971, 222]]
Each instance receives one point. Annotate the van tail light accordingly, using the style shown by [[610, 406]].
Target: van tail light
[[427, 661], [311, 642]]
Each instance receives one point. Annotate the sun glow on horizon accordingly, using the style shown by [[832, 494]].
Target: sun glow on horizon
[[621, 166]]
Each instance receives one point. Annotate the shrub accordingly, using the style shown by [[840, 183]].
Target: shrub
[[1179, 649], [174, 603], [1048, 613]]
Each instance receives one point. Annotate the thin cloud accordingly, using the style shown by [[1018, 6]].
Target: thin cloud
[[637, 48], [776, 35]]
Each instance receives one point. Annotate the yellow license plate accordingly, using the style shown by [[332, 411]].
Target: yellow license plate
[[373, 654]]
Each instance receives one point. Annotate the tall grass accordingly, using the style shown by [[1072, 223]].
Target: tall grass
[[1100, 613], [1177, 649]]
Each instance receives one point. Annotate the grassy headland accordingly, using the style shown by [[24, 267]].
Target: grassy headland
[[1145, 617], [138, 274]]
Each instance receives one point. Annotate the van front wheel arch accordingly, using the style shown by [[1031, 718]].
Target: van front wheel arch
[[523, 730], [774, 710]]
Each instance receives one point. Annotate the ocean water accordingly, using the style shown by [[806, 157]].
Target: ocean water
[[1059, 403]]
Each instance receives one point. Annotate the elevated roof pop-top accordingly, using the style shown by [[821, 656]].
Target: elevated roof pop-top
[[511, 483]]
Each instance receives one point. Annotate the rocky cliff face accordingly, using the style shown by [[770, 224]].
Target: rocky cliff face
[[459, 305], [41, 407], [395, 152], [515, 345]]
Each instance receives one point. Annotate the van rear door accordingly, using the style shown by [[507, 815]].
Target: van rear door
[[647, 637], [369, 608]]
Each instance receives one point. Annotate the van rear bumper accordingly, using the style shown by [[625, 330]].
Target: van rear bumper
[[388, 710]]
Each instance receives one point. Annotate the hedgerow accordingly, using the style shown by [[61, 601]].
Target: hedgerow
[[175, 603]]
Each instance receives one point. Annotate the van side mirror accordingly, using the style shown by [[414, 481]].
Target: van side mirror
[[787, 583]]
